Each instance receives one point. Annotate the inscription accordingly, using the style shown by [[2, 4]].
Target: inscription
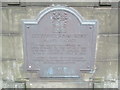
[[59, 48]]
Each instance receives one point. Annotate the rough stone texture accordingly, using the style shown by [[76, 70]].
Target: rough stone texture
[[104, 16], [106, 85], [0, 47], [8, 50], [11, 1], [59, 84], [63, 2], [107, 48], [13, 85], [107, 70], [109, 2], [12, 47], [0, 74]]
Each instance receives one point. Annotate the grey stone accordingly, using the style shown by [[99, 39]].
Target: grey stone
[[8, 50], [58, 84], [13, 85], [107, 48], [106, 85], [107, 71], [11, 70]]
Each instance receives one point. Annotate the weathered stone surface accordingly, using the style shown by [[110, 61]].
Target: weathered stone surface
[[0, 48], [107, 70], [58, 84], [103, 15], [8, 47], [13, 1], [108, 20], [13, 85], [12, 47], [11, 70], [12, 17], [107, 48], [8, 70], [0, 53], [63, 2], [59, 1], [18, 47], [0, 4], [112, 3], [0, 74], [106, 85]]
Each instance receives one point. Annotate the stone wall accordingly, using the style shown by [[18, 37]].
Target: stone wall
[[13, 75]]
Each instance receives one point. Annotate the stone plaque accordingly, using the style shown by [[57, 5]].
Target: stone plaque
[[59, 43]]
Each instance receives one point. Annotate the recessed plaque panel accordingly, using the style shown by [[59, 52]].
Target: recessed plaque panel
[[59, 43]]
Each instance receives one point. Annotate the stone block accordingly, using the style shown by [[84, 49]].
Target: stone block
[[106, 85], [10, 85], [106, 71], [75, 3], [12, 70], [107, 48], [104, 16], [0, 74], [11, 19], [8, 47], [12, 47], [0, 50], [58, 84], [108, 20]]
